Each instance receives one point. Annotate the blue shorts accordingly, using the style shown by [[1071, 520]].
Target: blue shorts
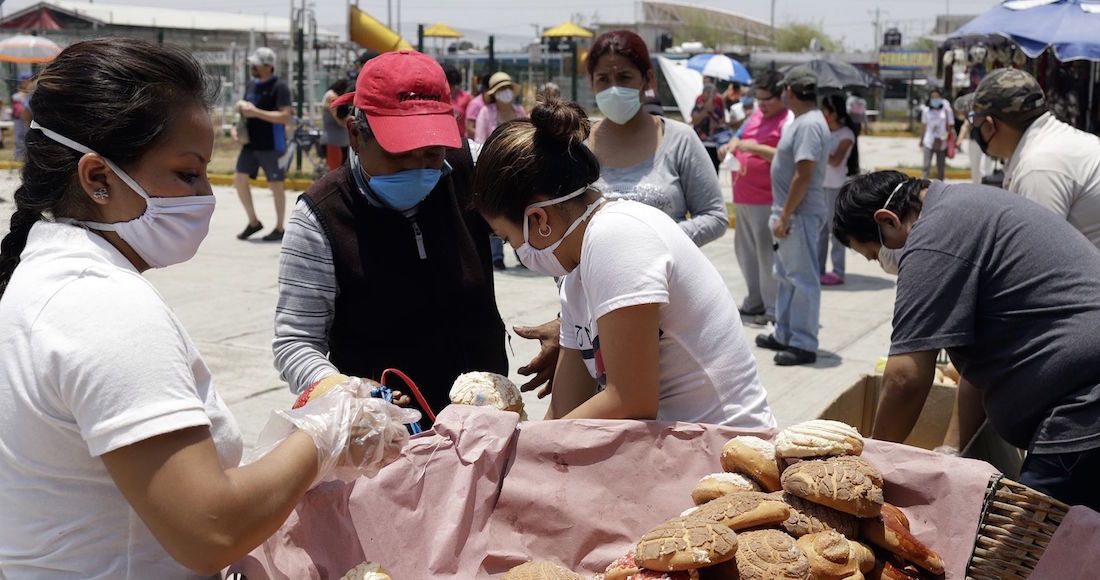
[[250, 161]]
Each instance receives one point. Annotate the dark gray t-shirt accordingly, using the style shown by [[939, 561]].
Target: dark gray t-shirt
[[1012, 292]]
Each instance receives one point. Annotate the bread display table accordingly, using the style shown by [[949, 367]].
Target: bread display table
[[483, 492]]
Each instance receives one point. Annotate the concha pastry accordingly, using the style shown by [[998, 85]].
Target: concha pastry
[[685, 544], [367, 571], [818, 438], [541, 570], [849, 484], [770, 555], [753, 457], [716, 485], [830, 556], [810, 518], [745, 510], [484, 389], [625, 568]]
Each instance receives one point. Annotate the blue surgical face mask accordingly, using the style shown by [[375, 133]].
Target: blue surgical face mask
[[619, 104], [400, 191], [936, 103]]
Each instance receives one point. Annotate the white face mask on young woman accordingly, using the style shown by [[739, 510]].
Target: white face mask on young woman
[[505, 96], [619, 104], [170, 230], [543, 260], [889, 258]]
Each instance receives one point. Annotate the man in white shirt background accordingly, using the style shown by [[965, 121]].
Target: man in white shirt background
[[1049, 162]]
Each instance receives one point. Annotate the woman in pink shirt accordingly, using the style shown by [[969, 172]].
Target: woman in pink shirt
[[499, 107], [752, 197]]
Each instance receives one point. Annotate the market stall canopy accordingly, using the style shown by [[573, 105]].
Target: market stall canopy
[[440, 30], [721, 67], [26, 49], [1070, 27], [685, 84], [566, 30], [839, 75]]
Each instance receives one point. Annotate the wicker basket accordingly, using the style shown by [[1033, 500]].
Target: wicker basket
[[1015, 528]]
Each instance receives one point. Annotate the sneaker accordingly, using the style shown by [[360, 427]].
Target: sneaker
[[499, 265], [763, 320], [769, 341], [753, 312], [795, 356], [831, 279], [249, 230], [276, 235]]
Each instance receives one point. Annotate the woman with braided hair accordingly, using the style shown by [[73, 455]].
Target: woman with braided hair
[[117, 457]]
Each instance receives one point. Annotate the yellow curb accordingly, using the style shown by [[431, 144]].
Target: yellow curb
[[914, 172]]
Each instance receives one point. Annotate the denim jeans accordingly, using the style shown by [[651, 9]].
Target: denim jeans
[[497, 246], [798, 293], [838, 250], [1068, 477]]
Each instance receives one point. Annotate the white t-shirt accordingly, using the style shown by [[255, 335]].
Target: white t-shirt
[[935, 127], [634, 254], [834, 176], [1058, 167], [91, 360]]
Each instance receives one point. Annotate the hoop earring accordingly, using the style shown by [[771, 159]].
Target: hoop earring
[[101, 193], [547, 233]]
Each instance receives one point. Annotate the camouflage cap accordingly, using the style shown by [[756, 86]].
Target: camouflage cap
[[1009, 90], [800, 79], [964, 104]]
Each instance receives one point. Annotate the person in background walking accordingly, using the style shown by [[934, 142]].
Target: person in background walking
[[332, 122], [21, 114], [477, 103], [266, 107], [460, 98], [645, 158], [752, 196], [500, 108], [937, 122], [857, 110], [798, 212], [843, 161]]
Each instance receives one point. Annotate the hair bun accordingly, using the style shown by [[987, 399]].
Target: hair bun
[[563, 122]]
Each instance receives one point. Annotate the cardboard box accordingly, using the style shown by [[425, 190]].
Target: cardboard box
[[857, 405]]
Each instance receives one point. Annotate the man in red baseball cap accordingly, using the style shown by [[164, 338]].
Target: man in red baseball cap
[[383, 263]]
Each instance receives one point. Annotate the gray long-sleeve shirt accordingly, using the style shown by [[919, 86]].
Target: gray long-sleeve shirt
[[679, 180]]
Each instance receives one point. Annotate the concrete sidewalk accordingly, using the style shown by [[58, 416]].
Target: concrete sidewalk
[[226, 299]]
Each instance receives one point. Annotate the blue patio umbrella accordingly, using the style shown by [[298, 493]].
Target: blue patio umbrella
[[1070, 27], [720, 66]]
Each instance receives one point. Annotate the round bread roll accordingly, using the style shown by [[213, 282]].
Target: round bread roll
[[367, 571], [744, 510], [685, 544], [849, 484], [818, 438], [716, 485], [625, 568], [864, 555], [753, 457], [830, 556], [484, 389], [541, 570], [808, 517], [770, 555]]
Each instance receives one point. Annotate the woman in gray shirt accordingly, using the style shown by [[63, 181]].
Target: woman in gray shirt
[[650, 159]]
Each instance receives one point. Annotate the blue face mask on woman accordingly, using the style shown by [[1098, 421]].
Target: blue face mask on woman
[[936, 103], [400, 191]]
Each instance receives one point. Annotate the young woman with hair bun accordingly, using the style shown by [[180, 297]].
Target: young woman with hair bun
[[648, 327]]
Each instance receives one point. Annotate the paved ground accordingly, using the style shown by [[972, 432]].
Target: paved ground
[[226, 298]]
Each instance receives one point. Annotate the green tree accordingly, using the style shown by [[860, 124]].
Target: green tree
[[798, 36]]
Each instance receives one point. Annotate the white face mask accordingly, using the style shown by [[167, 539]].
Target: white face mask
[[170, 230], [619, 104], [544, 261], [505, 96], [889, 258]]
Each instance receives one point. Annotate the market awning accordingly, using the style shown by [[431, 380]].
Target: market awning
[[40, 19], [566, 30], [1069, 27], [440, 30]]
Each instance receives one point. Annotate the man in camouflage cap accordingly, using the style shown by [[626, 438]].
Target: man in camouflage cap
[[1049, 162]]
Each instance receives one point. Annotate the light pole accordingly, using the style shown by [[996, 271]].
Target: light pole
[[773, 24]]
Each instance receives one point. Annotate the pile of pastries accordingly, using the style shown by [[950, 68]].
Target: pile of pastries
[[806, 507]]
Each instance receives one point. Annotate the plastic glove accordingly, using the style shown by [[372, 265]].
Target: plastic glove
[[355, 434]]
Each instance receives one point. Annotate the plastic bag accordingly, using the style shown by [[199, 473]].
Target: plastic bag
[[355, 434]]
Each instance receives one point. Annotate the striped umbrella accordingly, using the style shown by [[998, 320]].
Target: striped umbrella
[[27, 49]]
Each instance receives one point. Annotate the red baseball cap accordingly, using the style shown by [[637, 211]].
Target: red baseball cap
[[407, 101]]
